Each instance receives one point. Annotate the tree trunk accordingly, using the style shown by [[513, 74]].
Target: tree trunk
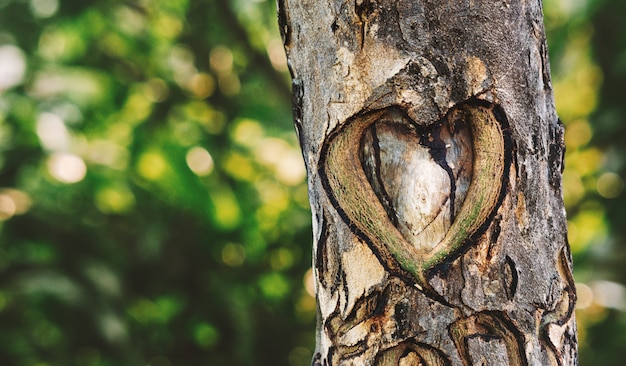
[[434, 157]]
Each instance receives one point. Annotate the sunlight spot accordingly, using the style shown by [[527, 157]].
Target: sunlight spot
[[181, 57], [276, 53], [113, 328], [577, 133], [67, 168], [227, 213], [584, 296], [610, 185], [156, 90], [239, 167], [590, 227], [221, 60], [569, 7], [247, 132], [202, 85], [116, 200], [233, 255], [7, 207], [576, 91], [50, 283], [229, 84], [290, 170], [286, 161], [301, 196], [309, 282], [572, 232], [587, 161], [305, 308], [51, 44], [181, 62], [274, 286], [152, 166], [106, 152], [21, 200], [272, 193], [68, 112], [104, 278], [78, 85], [130, 21], [160, 311], [215, 122], [609, 294], [166, 26], [137, 108], [13, 202], [52, 132], [281, 259], [12, 66], [199, 161], [44, 8], [205, 335], [573, 188]]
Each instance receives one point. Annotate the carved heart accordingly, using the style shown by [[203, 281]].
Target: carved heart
[[370, 189]]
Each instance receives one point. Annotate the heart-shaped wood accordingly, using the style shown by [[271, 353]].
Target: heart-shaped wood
[[371, 217], [420, 175]]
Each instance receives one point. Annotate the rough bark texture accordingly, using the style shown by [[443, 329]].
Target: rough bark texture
[[434, 157]]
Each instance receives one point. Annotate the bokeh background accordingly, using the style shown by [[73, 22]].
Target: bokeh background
[[153, 207]]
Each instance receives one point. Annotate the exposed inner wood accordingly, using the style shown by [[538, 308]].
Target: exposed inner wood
[[420, 178]]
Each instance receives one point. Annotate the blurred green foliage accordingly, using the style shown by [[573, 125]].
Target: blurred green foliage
[[153, 203], [153, 194], [587, 40]]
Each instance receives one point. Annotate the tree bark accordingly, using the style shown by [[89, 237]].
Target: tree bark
[[434, 157]]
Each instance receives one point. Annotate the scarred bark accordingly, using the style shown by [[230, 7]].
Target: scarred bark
[[434, 159]]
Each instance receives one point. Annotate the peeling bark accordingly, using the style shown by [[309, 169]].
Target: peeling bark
[[434, 157]]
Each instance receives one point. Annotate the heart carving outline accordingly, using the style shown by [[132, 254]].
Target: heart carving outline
[[352, 195]]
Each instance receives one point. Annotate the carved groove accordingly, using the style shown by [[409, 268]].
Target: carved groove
[[511, 277], [321, 255], [563, 310], [284, 23], [297, 93], [376, 323], [363, 9], [341, 330], [488, 325], [412, 353], [556, 154], [437, 150], [374, 169], [316, 359]]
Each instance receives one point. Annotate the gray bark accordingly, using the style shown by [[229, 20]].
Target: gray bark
[[443, 112]]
